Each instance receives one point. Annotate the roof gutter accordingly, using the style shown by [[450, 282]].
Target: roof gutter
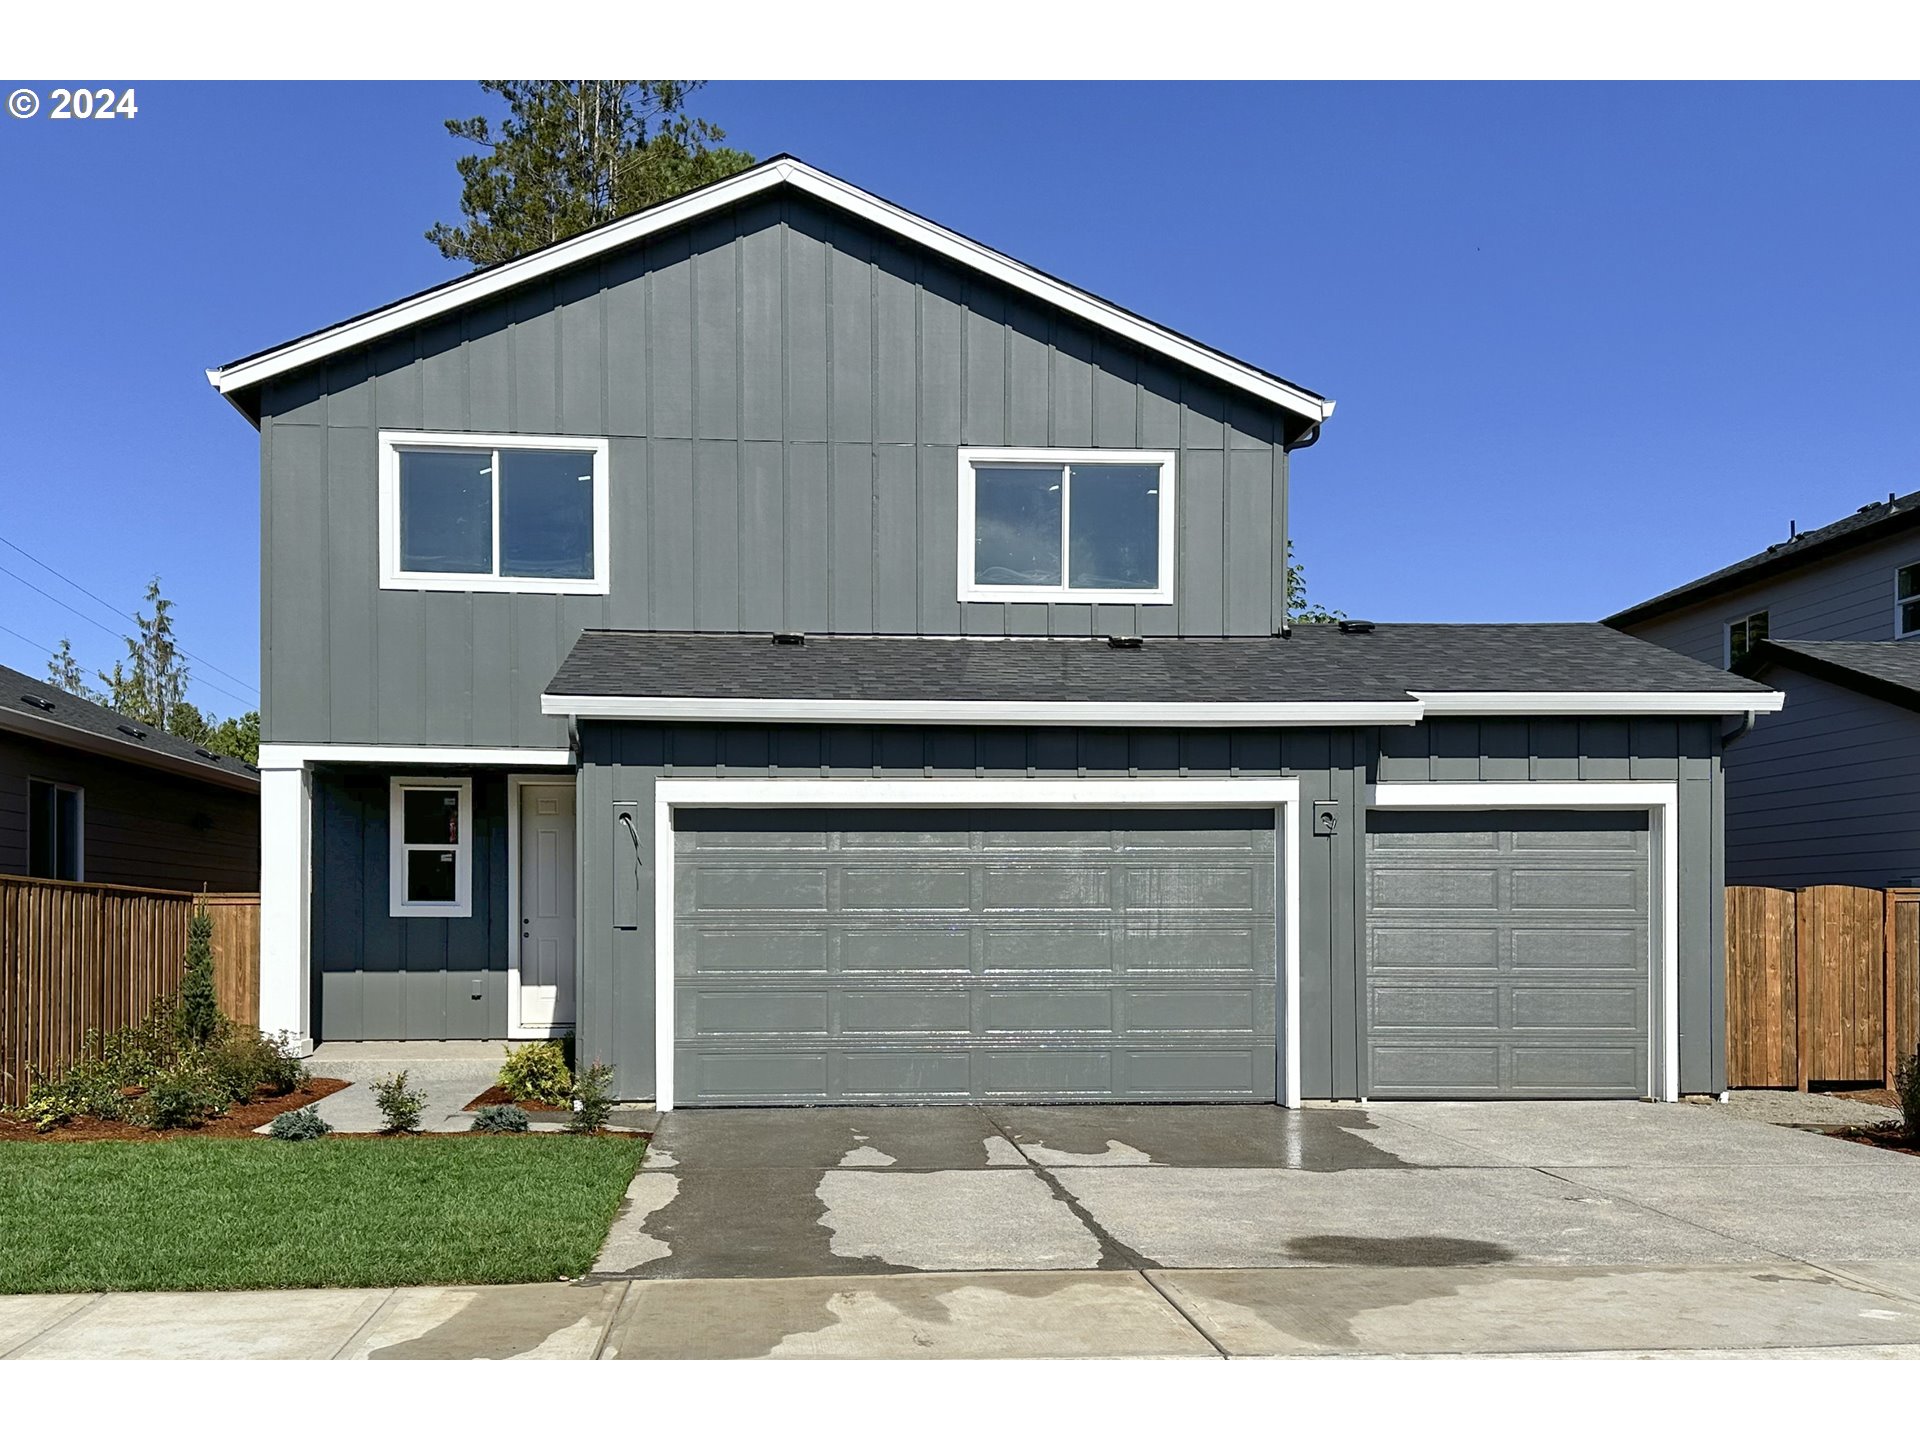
[[77, 739], [1600, 702]]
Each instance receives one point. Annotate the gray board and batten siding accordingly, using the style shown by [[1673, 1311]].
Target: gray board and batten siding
[[621, 761], [785, 391]]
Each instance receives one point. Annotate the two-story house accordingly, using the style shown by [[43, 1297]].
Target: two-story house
[[1828, 792], [816, 658]]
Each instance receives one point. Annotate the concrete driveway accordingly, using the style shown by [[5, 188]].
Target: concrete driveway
[[1395, 1228]]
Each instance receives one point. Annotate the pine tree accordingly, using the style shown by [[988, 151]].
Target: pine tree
[[199, 1009], [64, 672], [156, 684], [572, 154]]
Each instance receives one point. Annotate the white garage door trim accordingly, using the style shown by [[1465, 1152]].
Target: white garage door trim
[[1283, 795], [1660, 800]]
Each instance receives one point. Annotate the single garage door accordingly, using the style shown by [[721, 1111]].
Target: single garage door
[[1506, 954], [874, 956]]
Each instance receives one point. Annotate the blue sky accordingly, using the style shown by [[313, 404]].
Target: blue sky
[[1587, 341]]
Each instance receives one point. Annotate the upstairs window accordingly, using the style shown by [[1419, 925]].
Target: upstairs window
[[493, 512], [1054, 525], [430, 845], [1906, 601], [55, 848], [1743, 634]]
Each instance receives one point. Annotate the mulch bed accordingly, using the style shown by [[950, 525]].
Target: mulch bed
[[238, 1122], [497, 1095], [1881, 1137]]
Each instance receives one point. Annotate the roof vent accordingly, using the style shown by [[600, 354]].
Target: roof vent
[[208, 753], [1356, 627], [1124, 642], [37, 702], [789, 637], [134, 730]]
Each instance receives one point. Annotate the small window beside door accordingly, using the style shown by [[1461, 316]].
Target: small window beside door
[[431, 843], [56, 847]]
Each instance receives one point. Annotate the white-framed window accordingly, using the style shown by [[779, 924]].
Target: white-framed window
[[1054, 525], [430, 840], [1906, 601], [1743, 634], [523, 513], [56, 831]]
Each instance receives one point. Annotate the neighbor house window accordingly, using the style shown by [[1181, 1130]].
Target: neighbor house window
[[1906, 601], [55, 827], [431, 841], [1743, 634], [1067, 525], [493, 512]]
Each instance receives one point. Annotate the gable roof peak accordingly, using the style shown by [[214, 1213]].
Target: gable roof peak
[[240, 379]]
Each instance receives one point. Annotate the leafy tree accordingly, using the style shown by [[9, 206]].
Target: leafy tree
[[1298, 606], [572, 154], [64, 672], [151, 683], [198, 1010], [150, 686]]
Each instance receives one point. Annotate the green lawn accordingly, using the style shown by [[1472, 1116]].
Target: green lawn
[[251, 1214]]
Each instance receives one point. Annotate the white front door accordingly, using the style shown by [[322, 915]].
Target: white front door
[[546, 906]]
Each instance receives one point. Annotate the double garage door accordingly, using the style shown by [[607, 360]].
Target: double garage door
[[893, 956]]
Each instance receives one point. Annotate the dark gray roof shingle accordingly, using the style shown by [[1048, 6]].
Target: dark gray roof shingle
[[19, 691], [1888, 669], [1318, 663], [1868, 523]]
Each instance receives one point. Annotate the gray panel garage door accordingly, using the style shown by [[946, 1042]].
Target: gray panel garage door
[[1506, 954], [855, 957]]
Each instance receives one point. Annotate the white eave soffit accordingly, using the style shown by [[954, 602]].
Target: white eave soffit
[[244, 374]]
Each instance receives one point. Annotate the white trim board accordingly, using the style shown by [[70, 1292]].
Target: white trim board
[[293, 757], [244, 374], [1066, 461], [1659, 798], [1600, 702], [1283, 794], [394, 443], [516, 784]]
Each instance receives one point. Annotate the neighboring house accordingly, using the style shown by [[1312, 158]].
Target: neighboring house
[[816, 658], [1829, 791], [87, 794]]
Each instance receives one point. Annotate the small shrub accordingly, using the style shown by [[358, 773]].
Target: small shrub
[[537, 1073], [244, 1062], [183, 1097], [399, 1105], [1906, 1084], [198, 1011], [302, 1124], [592, 1099], [500, 1119]]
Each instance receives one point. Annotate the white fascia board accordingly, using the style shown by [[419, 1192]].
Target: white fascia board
[[838, 193], [294, 757], [980, 712], [131, 751], [1600, 702]]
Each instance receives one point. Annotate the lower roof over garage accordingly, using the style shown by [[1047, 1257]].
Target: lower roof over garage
[[1342, 674]]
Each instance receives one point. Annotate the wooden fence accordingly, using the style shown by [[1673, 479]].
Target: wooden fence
[[79, 957], [1823, 984]]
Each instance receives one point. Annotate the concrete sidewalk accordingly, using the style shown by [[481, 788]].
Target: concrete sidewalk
[[1768, 1311]]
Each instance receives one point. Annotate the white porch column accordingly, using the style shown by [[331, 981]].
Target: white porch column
[[286, 838]]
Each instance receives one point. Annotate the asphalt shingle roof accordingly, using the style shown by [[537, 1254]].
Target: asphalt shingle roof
[[1889, 669], [1870, 522], [1318, 663], [19, 692]]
